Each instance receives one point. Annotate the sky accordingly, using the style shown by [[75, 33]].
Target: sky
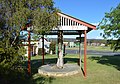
[[91, 11]]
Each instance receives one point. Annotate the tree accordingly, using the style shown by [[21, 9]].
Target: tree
[[14, 15], [60, 61], [111, 27]]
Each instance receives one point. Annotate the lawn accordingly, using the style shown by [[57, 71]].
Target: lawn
[[100, 70], [97, 48]]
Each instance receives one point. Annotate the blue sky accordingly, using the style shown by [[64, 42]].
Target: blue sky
[[91, 11]]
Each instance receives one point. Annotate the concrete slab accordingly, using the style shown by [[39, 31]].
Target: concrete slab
[[53, 70]]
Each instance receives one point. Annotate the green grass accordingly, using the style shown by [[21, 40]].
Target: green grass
[[100, 70], [97, 48]]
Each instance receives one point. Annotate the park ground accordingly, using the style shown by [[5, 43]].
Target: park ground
[[100, 70]]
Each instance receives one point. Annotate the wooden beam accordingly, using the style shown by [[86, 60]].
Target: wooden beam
[[43, 50], [29, 54], [79, 49], [85, 53]]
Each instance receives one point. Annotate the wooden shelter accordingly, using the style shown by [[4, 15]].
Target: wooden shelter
[[68, 26], [72, 26]]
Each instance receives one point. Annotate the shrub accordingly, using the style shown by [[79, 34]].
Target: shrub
[[10, 63], [40, 51], [52, 46]]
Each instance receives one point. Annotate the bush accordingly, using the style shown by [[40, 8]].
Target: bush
[[40, 51], [10, 63], [52, 47], [9, 73]]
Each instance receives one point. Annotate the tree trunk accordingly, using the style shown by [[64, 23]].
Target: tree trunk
[[60, 50]]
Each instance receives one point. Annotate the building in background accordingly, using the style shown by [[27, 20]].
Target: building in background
[[35, 45]]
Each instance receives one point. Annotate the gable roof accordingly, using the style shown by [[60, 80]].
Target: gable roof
[[78, 21], [69, 32]]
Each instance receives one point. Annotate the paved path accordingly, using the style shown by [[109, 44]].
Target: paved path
[[93, 52]]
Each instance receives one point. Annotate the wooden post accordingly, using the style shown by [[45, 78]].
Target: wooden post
[[80, 48], [85, 53], [43, 50], [29, 54]]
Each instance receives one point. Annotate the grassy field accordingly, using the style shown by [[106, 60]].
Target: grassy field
[[100, 70], [97, 48]]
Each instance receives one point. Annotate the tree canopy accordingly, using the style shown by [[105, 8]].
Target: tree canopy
[[14, 15], [111, 27], [41, 13]]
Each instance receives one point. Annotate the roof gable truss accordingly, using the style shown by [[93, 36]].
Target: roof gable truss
[[66, 20]]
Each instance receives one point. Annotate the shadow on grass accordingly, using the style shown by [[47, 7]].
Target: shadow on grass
[[83, 71], [35, 78], [36, 63], [43, 80], [108, 60], [71, 60]]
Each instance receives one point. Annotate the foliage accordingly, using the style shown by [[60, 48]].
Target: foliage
[[44, 17], [52, 47], [10, 59], [35, 37], [40, 51], [114, 44], [111, 26], [10, 72], [14, 15], [40, 13], [10, 62]]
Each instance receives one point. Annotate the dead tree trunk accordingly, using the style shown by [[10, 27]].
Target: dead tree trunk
[[60, 50]]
